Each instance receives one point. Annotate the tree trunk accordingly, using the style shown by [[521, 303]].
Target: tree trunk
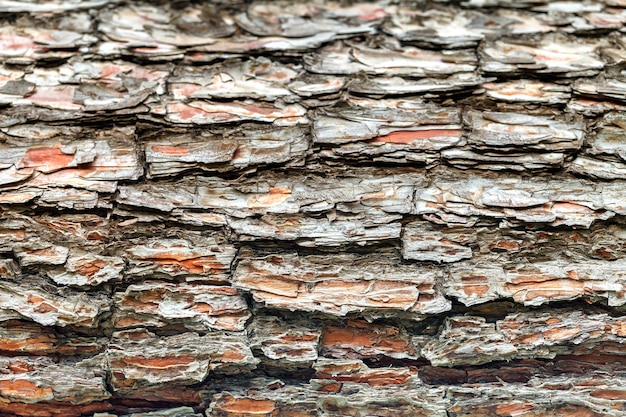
[[312, 208]]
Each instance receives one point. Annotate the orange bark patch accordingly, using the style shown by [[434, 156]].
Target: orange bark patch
[[19, 367], [408, 136], [475, 285], [160, 363], [369, 15], [191, 266], [53, 409], [381, 339], [245, 406], [127, 322], [513, 409], [331, 387], [46, 308], [186, 112], [34, 299], [554, 289], [203, 308], [109, 69], [170, 150], [272, 284], [610, 394], [24, 389], [561, 333], [525, 90], [39, 344], [46, 159], [504, 245], [41, 252], [618, 329], [373, 377], [300, 338], [91, 268], [232, 356], [275, 196]]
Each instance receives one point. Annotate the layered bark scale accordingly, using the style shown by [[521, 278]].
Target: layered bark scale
[[312, 209]]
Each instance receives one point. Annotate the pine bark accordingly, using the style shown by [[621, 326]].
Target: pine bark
[[394, 208]]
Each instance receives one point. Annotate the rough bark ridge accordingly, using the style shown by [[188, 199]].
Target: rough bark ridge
[[313, 208]]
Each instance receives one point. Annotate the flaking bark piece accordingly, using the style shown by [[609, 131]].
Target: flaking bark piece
[[84, 269], [341, 284], [605, 155], [512, 248], [191, 256], [20, 337], [53, 306], [570, 202], [447, 28], [40, 243], [385, 401], [301, 20], [81, 90], [594, 168], [170, 412], [243, 44], [289, 345], [593, 108], [355, 371], [42, 160], [159, 31], [47, 6], [308, 85], [466, 158], [197, 307], [391, 130], [256, 78], [202, 33], [399, 86], [570, 7], [470, 340], [592, 396], [358, 339], [525, 4], [169, 152], [516, 141], [205, 112], [9, 269], [601, 88], [41, 380], [536, 282], [28, 45], [499, 130], [314, 232], [356, 191], [528, 91], [423, 242], [343, 59], [609, 138], [326, 398], [553, 55], [140, 360]]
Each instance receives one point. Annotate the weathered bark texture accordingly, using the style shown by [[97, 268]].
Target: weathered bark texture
[[289, 208]]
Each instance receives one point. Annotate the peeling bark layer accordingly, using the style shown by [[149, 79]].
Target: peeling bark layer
[[393, 208]]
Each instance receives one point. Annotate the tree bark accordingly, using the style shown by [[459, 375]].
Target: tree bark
[[393, 208]]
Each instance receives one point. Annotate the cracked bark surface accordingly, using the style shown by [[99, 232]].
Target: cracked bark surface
[[249, 208]]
